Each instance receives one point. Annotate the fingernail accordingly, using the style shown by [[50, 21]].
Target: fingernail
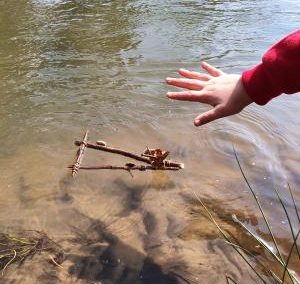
[[197, 122]]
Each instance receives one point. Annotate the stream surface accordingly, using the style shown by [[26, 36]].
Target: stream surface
[[66, 66]]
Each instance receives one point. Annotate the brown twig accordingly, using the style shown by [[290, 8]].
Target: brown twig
[[127, 168], [80, 154], [167, 163]]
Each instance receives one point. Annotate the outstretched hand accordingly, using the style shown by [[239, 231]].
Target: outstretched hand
[[224, 92]]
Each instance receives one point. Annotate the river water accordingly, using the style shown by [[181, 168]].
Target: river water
[[66, 66]]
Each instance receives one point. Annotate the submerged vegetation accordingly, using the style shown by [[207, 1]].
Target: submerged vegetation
[[18, 247], [271, 266]]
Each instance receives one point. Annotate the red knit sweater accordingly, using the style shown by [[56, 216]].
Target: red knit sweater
[[278, 73]]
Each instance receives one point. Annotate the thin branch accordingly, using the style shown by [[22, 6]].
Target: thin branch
[[127, 168], [167, 163], [80, 154]]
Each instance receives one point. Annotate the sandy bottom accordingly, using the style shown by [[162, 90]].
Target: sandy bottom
[[118, 229]]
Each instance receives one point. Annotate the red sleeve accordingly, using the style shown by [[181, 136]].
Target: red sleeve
[[278, 73]]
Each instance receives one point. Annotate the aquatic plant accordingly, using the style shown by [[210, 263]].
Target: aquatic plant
[[18, 247], [260, 265]]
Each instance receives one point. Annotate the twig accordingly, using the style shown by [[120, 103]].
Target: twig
[[81, 151], [167, 163], [127, 168]]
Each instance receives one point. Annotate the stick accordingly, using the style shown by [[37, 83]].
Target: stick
[[167, 163], [80, 154], [127, 168]]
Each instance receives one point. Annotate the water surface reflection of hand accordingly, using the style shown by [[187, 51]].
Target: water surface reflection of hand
[[224, 92]]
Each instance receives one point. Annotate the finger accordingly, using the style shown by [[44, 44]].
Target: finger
[[192, 96], [191, 84], [210, 69], [193, 75], [209, 116]]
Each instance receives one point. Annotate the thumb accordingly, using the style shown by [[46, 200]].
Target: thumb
[[209, 116]]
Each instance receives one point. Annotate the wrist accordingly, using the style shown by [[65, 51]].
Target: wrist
[[245, 99]]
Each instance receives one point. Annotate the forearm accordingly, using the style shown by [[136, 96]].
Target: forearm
[[279, 71]]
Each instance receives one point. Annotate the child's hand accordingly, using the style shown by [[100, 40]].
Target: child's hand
[[225, 92]]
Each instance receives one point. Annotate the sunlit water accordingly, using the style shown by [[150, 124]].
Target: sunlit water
[[70, 65]]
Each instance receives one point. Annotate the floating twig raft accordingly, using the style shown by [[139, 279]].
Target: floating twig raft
[[154, 158]]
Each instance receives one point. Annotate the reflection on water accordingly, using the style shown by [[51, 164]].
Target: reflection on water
[[69, 65]]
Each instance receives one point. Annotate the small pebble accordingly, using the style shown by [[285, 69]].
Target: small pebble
[[101, 143]]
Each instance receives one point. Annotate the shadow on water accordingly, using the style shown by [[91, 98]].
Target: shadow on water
[[109, 260]]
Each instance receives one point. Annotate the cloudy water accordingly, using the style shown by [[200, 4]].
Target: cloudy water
[[66, 66]]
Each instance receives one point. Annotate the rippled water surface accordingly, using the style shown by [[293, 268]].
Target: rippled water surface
[[66, 66]]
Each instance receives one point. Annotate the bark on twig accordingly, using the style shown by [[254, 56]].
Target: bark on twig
[[83, 145], [139, 168], [147, 160]]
